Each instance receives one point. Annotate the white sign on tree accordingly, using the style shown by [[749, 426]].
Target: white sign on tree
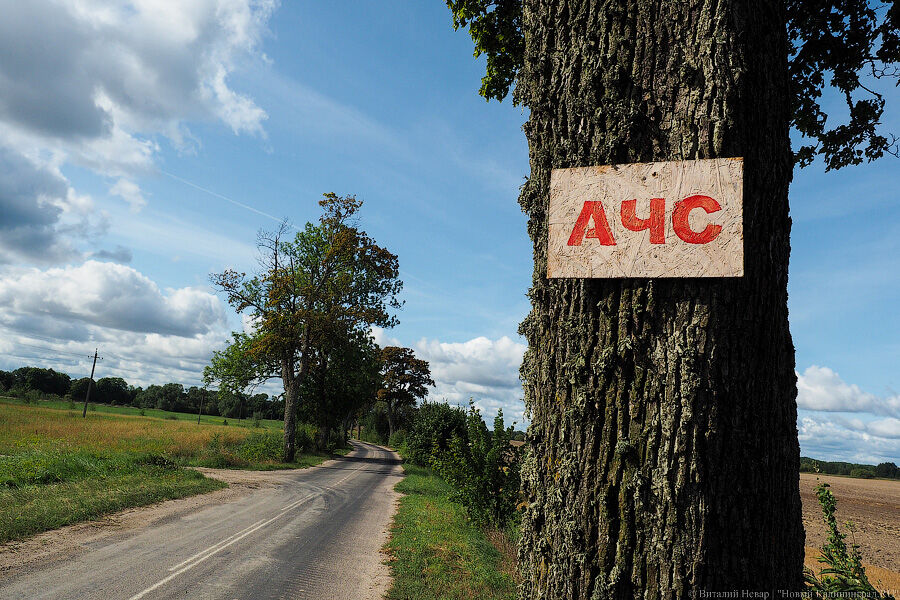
[[660, 219]]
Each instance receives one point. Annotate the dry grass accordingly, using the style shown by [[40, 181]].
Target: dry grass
[[25, 429], [502, 541]]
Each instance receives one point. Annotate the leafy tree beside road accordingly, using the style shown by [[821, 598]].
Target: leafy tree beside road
[[330, 273], [404, 380]]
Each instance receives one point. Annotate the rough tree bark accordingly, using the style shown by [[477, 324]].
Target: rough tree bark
[[291, 386], [664, 452], [292, 381]]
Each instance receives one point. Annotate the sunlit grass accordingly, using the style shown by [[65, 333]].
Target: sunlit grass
[[26, 428], [437, 552]]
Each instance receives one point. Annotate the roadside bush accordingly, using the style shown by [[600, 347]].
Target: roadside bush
[[375, 425], [843, 574], [368, 435], [432, 429], [218, 455], [483, 469], [305, 438], [397, 440], [262, 447]]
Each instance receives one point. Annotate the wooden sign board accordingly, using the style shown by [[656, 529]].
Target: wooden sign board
[[661, 219]]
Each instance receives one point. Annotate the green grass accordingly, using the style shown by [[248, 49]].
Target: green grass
[[148, 412], [57, 468], [32, 509], [437, 552]]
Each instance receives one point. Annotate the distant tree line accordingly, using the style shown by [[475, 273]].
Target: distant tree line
[[33, 383], [885, 470]]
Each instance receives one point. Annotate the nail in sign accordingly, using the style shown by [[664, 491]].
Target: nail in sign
[[661, 219]]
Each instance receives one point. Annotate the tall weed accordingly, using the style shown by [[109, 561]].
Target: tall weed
[[844, 574]]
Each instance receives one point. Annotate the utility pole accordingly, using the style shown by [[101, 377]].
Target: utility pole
[[90, 385], [202, 398]]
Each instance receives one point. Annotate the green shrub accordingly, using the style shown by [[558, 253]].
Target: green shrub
[[305, 438], [843, 574], [217, 456], [433, 427], [262, 447], [483, 469], [397, 440]]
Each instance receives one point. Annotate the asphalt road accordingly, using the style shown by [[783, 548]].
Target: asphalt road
[[315, 534]]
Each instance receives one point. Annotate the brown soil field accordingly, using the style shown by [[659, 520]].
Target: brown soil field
[[873, 506]]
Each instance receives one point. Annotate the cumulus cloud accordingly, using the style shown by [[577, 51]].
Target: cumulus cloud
[[382, 338], [96, 84], [482, 369], [130, 193], [119, 254], [821, 389], [56, 317], [854, 440], [97, 76], [111, 296], [42, 214]]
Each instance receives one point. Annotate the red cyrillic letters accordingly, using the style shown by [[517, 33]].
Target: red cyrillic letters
[[600, 231], [656, 222], [682, 226]]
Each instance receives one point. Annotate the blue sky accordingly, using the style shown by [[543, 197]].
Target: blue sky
[[130, 136]]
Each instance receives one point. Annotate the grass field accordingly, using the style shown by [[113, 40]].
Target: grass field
[[437, 552], [57, 468], [132, 411]]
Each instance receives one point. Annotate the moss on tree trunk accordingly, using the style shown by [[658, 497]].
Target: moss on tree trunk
[[664, 445]]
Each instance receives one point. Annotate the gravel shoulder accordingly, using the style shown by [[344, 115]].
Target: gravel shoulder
[[66, 542]]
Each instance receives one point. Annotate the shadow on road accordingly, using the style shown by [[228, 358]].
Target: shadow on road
[[369, 460]]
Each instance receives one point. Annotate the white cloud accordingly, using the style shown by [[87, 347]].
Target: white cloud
[[42, 214], [97, 84], [821, 389], [96, 77], [482, 369], [108, 295], [56, 317], [827, 438], [382, 338], [130, 193]]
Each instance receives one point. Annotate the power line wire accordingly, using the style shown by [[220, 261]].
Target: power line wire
[[54, 350]]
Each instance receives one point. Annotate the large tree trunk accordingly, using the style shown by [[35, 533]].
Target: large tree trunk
[[664, 455], [390, 416], [291, 389], [292, 381]]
